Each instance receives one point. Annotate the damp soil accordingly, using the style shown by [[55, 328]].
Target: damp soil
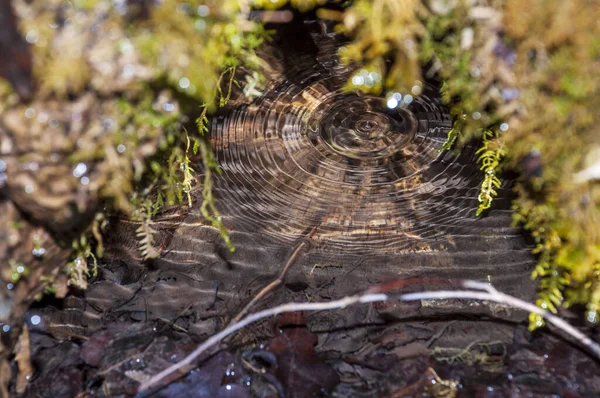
[[363, 188]]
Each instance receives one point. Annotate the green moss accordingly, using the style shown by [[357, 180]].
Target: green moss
[[77, 269], [85, 4], [453, 135], [145, 232], [302, 5], [197, 48], [65, 75], [17, 271], [490, 156], [561, 95], [383, 30]]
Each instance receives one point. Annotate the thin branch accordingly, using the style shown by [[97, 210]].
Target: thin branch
[[275, 283], [479, 291], [270, 312]]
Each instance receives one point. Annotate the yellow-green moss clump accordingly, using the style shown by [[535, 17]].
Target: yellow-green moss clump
[[558, 58]]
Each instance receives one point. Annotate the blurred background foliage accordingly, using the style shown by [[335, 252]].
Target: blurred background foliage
[[106, 107]]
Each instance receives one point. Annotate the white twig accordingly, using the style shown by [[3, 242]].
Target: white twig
[[494, 295], [479, 291]]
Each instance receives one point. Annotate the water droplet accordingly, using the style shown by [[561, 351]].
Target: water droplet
[[121, 148], [504, 126], [32, 36], [476, 115], [203, 10], [375, 76], [29, 188], [200, 25], [592, 317], [21, 269], [408, 99], [31, 166], [168, 107], [416, 90], [392, 103], [228, 386], [510, 93], [84, 180], [358, 80], [29, 113], [43, 117], [80, 170], [6, 328], [35, 320], [184, 82]]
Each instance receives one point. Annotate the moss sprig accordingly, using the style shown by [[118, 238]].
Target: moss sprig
[[145, 232], [208, 208], [490, 154], [78, 269]]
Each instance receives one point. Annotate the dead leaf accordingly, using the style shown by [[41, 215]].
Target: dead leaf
[[23, 358], [5, 374], [300, 370]]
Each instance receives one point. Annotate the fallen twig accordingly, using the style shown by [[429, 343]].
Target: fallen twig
[[478, 291], [275, 283]]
